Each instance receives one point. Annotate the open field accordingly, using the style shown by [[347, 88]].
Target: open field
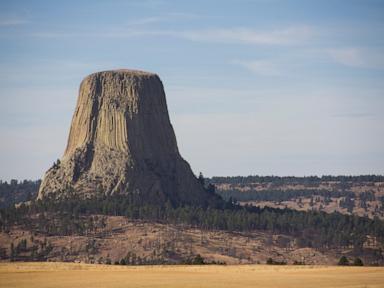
[[84, 275]]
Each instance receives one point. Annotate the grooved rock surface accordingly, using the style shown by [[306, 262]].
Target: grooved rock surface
[[121, 141]]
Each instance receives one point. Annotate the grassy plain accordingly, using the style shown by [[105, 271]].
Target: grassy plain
[[74, 275]]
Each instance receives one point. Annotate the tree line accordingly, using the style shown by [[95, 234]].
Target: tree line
[[286, 180], [312, 229], [17, 191], [283, 195]]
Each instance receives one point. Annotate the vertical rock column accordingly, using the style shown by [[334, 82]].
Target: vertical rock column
[[121, 141]]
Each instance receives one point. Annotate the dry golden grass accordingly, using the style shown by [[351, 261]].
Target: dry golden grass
[[73, 275]]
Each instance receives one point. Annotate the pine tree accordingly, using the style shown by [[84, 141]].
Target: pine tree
[[343, 261], [358, 262]]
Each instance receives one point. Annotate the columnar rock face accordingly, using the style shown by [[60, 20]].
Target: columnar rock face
[[121, 141]]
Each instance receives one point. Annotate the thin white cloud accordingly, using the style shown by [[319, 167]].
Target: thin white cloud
[[260, 67], [7, 21], [145, 21], [347, 56], [357, 57], [285, 36], [168, 17]]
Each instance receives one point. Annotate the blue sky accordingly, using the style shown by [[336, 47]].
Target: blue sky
[[253, 86]]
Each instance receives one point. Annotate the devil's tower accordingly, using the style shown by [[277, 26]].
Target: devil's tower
[[122, 142]]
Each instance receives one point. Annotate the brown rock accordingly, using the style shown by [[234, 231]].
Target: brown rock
[[121, 141]]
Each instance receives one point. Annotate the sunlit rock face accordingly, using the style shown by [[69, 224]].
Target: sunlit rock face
[[121, 141]]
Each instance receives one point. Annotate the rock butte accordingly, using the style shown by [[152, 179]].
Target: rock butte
[[121, 141]]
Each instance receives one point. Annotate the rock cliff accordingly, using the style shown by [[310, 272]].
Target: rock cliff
[[121, 141]]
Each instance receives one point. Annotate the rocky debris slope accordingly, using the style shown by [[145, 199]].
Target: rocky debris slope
[[121, 141]]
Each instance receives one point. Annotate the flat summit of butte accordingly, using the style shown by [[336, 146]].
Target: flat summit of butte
[[121, 141]]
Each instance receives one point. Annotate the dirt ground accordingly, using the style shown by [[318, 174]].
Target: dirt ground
[[171, 242], [74, 275]]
